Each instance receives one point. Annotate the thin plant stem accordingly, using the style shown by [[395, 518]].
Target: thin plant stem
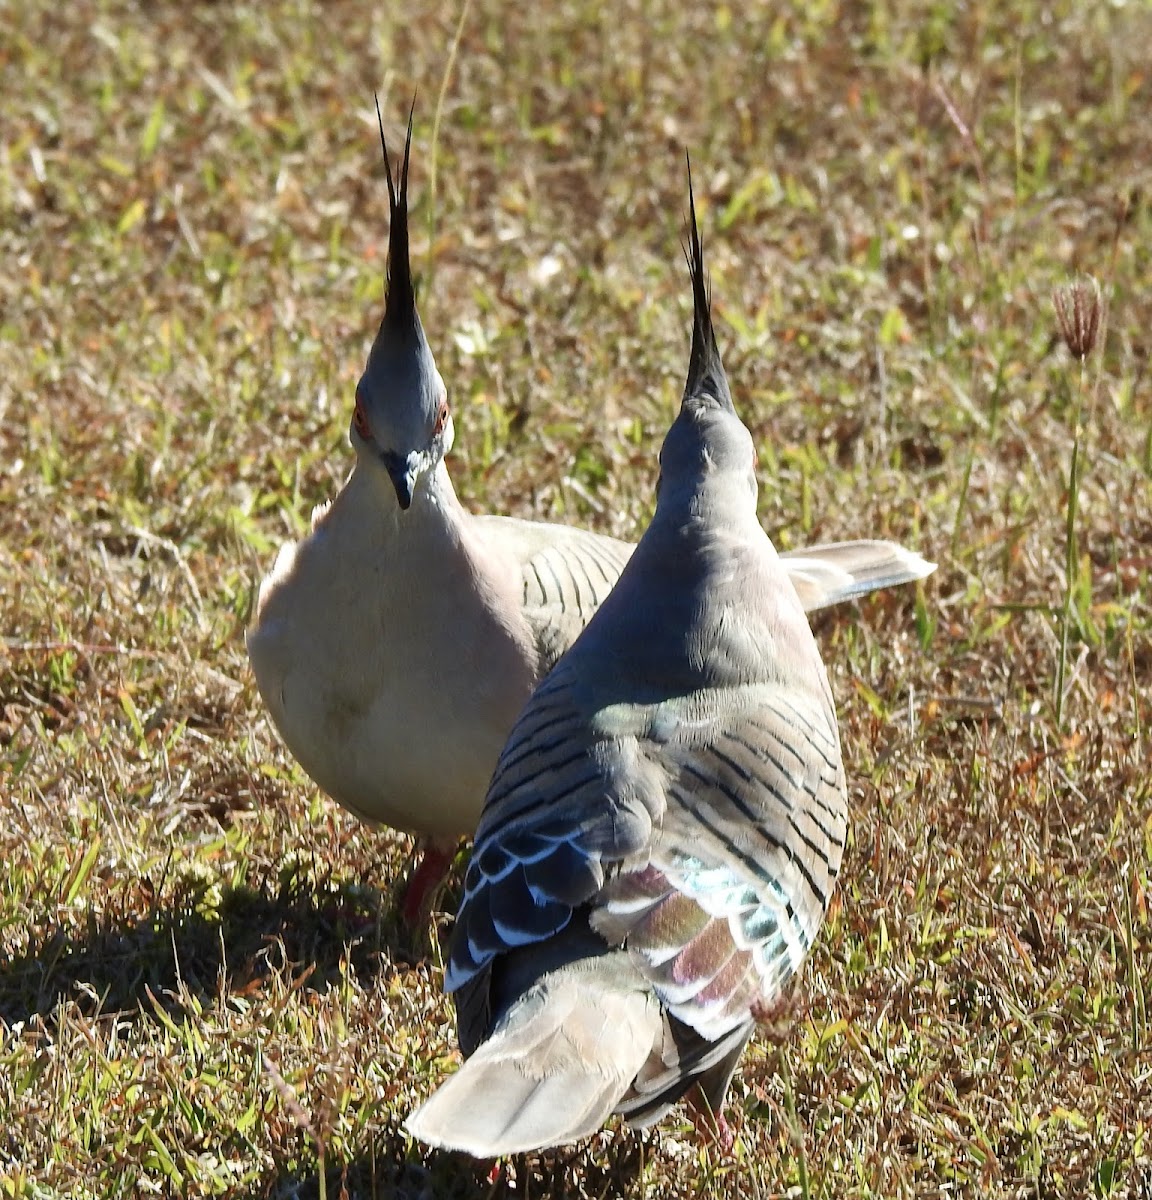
[[1135, 985], [962, 502], [796, 1133], [449, 66], [1135, 694], [1072, 550]]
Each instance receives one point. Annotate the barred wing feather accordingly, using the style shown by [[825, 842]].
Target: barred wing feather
[[708, 852]]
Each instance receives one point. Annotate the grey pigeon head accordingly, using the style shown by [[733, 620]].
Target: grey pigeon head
[[707, 443], [401, 420]]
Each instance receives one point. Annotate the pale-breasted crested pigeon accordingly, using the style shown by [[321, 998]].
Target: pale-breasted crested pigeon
[[396, 643], [665, 825]]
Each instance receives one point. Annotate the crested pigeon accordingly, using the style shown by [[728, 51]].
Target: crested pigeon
[[396, 643], [665, 825]]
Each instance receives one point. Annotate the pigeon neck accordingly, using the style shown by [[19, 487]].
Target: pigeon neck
[[434, 490], [433, 497]]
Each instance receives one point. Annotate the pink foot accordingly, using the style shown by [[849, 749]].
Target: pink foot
[[422, 885]]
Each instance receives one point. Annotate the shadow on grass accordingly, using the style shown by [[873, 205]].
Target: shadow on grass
[[243, 935], [399, 1170]]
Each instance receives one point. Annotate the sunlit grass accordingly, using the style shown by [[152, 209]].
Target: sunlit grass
[[203, 990]]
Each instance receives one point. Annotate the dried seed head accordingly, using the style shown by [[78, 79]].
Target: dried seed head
[[1078, 315]]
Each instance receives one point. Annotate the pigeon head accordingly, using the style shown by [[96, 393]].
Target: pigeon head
[[707, 443], [401, 420]]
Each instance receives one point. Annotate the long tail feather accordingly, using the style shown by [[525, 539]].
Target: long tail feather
[[839, 571], [555, 1067]]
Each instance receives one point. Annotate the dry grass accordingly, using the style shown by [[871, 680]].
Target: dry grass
[[201, 987]]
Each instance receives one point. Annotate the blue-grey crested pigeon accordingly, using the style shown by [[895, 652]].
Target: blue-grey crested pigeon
[[396, 643], [665, 825]]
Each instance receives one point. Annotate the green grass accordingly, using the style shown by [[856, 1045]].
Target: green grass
[[202, 987]]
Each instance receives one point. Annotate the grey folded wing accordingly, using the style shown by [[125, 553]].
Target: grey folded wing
[[566, 575]]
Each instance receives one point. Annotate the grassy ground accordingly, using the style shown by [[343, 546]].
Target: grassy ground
[[202, 990]]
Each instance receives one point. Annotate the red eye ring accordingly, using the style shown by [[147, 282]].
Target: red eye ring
[[360, 420], [441, 418]]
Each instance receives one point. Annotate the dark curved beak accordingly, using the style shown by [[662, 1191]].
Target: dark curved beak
[[402, 472]]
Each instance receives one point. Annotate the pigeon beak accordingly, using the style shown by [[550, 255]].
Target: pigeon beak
[[402, 472]]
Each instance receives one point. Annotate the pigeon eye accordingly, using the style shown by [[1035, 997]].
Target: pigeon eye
[[441, 419], [360, 420]]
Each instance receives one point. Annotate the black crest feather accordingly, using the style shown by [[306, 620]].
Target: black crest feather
[[705, 370], [400, 295]]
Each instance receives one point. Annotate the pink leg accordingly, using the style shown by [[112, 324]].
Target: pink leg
[[712, 1128], [420, 890]]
